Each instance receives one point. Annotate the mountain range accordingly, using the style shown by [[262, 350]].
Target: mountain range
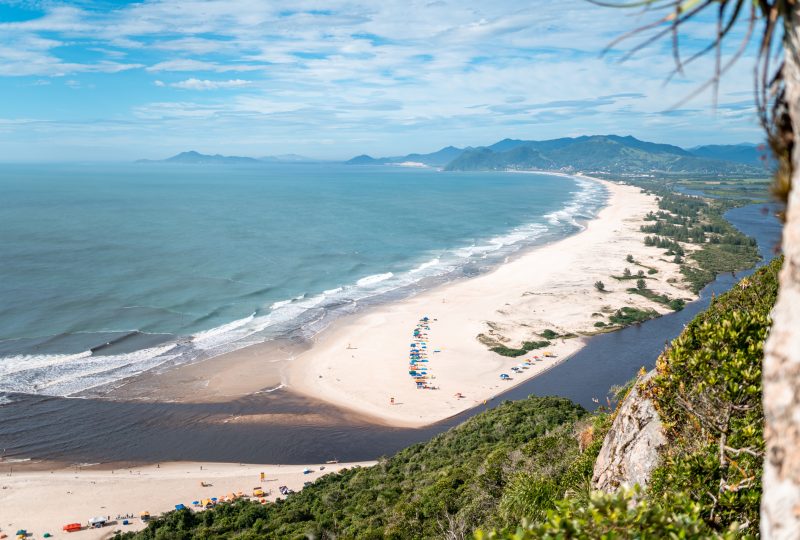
[[196, 158], [589, 153]]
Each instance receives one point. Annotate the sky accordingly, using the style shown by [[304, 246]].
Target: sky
[[101, 80]]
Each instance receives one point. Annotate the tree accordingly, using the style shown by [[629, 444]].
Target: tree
[[629, 258], [600, 286], [626, 272], [641, 284], [775, 22], [640, 273]]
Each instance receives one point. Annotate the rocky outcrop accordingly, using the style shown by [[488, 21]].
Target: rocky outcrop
[[630, 450]]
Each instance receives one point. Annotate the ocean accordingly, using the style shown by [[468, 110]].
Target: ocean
[[111, 270]]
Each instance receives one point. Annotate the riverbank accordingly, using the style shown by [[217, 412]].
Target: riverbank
[[361, 362], [45, 501]]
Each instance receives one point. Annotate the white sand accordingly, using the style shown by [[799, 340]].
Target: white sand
[[43, 502], [362, 361]]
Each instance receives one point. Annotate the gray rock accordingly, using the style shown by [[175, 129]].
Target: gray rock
[[630, 450]]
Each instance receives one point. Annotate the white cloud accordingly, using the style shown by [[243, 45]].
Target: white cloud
[[397, 72], [187, 64], [202, 84]]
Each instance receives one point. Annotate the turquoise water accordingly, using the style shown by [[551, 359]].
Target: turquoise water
[[109, 270]]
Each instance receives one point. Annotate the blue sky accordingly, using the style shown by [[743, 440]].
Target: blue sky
[[103, 80]]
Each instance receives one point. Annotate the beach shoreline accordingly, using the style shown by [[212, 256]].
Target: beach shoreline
[[77, 494], [359, 363]]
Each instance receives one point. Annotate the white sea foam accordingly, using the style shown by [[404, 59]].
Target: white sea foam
[[373, 279], [280, 304], [66, 374], [330, 292], [208, 336], [424, 266]]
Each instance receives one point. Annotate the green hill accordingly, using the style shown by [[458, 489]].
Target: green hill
[[598, 153]]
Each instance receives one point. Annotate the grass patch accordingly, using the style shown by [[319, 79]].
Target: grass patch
[[715, 259], [527, 346], [628, 315], [675, 304], [549, 334]]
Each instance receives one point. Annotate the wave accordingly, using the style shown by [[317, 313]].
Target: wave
[[70, 374], [373, 279], [67, 374], [423, 266]]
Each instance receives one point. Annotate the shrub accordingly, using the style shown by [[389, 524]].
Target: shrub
[[615, 516], [549, 334], [600, 286], [708, 392]]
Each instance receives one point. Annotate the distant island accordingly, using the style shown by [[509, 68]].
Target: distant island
[[589, 153], [196, 158]]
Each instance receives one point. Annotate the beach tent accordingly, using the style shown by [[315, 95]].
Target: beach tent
[[97, 521], [504, 376], [22, 532], [180, 507]]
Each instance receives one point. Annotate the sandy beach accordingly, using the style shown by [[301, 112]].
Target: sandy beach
[[360, 365], [361, 362], [43, 501]]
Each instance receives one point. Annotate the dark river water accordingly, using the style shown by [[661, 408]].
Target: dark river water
[[302, 431]]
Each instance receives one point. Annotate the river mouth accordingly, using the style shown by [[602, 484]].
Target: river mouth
[[280, 427]]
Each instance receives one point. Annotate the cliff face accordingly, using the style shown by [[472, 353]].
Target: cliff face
[[630, 450]]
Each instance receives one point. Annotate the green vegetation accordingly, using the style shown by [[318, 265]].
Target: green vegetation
[[615, 516], [491, 471], [527, 346], [675, 304], [628, 315], [681, 218], [708, 392], [600, 286], [549, 334], [523, 469]]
